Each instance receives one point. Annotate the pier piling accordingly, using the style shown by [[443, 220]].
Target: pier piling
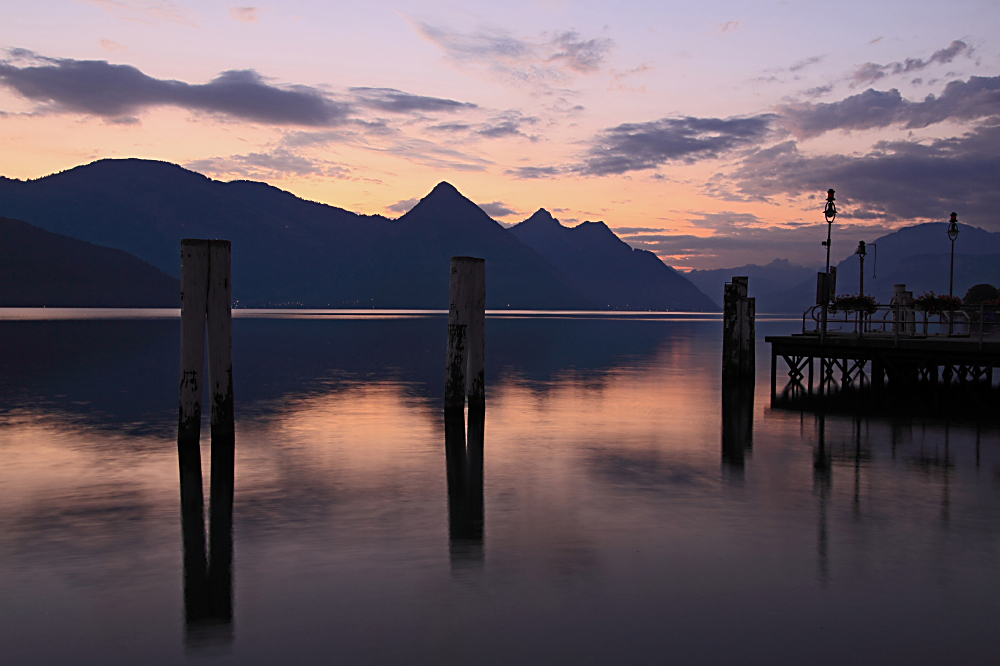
[[738, 371], [206, 304], [466, 339]]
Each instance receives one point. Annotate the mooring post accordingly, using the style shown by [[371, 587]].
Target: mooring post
[[206, 304], [739, 335], [477, 336], [466, 318]]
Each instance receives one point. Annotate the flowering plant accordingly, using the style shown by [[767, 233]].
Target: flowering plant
[[854, 303], [934, 304]]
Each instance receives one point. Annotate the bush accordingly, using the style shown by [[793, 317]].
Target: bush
[[854, 303], [981, 293], [937, 304]]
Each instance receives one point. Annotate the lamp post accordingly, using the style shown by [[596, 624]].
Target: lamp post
[[829, 212], [952, 234]]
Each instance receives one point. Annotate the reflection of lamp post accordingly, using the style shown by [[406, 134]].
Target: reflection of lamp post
[[952, 234], [829, 212]]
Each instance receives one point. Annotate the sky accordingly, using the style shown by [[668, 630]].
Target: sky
[[706, 132]]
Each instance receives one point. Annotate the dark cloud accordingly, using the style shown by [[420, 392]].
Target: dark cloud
[[99, 88], [581, 55], [506, 124], [533, 172], [979, 97], [497, 209], [397, 101], [896, 181], [871, 72], [451, 127], [637, 146], [403, 205]]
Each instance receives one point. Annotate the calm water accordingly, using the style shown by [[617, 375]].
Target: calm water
[[614, 532]]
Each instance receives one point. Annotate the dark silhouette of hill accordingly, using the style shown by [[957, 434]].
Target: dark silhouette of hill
[[410, 264], [599, 264], [288, 251], [917, 256], [43, 268], [765, 281]]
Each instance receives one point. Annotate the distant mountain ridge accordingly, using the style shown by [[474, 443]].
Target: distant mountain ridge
[[597, 262], [918, 256], [40, 268], [292, 252]]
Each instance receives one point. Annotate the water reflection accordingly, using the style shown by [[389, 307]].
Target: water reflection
[[737, 423], [613, 536], [465, 486], [208, 577]]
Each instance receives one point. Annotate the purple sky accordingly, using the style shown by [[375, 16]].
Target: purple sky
[[707, 132]]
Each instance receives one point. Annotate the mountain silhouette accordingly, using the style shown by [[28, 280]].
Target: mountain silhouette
[[598, 263], [40, 268], [918, 256], [292, 252], [775, 277]]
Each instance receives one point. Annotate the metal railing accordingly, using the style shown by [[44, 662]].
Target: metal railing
[[900, 321]]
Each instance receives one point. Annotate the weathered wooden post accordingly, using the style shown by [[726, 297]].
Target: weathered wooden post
[[738, 370], [739, 334], [466, 339], [206, 299]]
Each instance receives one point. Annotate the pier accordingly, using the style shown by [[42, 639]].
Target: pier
[[894, 356]]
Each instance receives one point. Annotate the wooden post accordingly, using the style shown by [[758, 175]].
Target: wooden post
[[466, 319], [206, 300], [476, 336], [194, 298], [738, 332]]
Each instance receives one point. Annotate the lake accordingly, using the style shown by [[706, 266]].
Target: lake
[[610, 528]]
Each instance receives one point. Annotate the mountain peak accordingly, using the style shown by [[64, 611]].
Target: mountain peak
[[542, 217]]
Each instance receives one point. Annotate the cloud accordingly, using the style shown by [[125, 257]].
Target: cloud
[[245, 14], [895, 181], [548, 59], [870, 72], [403, 205], [636, 146], [497, 209], [151, 12], [277, 164], [579, 55], [397, 101], [421, 151], [802, 64], [533, 172], [99, 88], [979, 97], [506, 124], [760, 245], [109, 45]]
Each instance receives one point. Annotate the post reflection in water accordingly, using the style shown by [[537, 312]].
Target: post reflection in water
[[822, 481], [737, 423], [465, 486], [208, 596]]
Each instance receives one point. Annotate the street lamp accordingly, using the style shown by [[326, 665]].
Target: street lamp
[[830, 213], [952, 234]]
